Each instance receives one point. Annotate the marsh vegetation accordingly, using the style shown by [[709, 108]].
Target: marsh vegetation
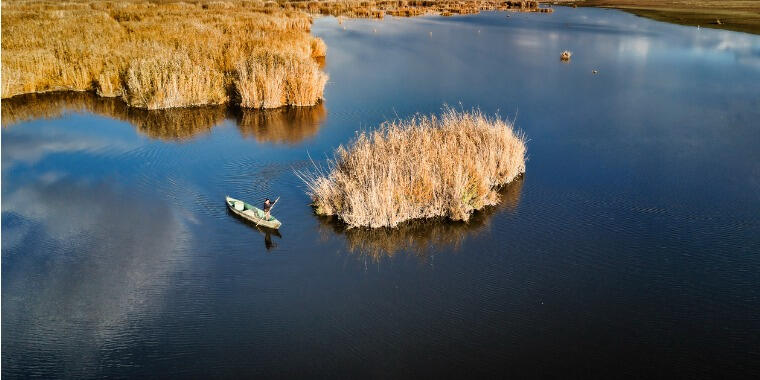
[[249, 53], [253, 54], [422, 237], [158, 55], [424, 167]]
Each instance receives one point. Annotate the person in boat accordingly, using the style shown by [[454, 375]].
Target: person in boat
[[267, 207]]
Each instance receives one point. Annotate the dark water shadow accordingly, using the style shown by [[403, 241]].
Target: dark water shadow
[[421, 237], [288, 125], [267, 233]]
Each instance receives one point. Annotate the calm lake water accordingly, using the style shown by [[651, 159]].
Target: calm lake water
[[631, 247]]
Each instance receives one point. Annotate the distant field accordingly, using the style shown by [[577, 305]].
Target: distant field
[[737, 15]]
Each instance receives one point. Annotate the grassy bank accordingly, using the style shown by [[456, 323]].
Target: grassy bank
[[737, 15], [163, 54], [424, 167]]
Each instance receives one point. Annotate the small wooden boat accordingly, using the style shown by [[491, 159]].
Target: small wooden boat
[[254, 214]]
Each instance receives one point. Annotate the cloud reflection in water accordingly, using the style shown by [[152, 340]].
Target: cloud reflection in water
[[86, 265]]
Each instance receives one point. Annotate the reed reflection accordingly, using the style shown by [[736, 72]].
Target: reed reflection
[[425, 236], [53, 105], [284, 125], [176, 124]]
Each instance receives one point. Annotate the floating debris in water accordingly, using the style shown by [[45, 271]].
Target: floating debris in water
[[565, 56], [594, 71]]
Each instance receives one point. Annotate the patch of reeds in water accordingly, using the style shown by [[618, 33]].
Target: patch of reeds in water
[[158, 54], [422, 237], [425, 167], [271, 80]]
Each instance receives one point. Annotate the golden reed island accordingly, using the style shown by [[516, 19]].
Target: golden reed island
[[424, 167]]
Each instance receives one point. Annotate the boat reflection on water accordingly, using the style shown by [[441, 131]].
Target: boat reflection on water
[[421, 237], [268, 233], [289, 125]]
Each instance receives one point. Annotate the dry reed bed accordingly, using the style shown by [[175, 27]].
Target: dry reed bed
[[428, 166], [424, 236], [163, 54]]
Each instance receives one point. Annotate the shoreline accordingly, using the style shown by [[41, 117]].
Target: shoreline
[[736, 16]]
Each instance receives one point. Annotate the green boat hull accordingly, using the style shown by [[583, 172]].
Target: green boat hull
[[252, 213]]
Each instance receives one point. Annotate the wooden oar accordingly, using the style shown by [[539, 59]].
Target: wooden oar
[[275, 202]]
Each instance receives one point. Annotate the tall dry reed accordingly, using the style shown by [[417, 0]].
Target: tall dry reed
[[165, 81], [428, 166], [270, 80]]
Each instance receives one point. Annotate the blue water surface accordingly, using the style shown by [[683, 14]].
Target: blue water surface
[[630, 248]]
